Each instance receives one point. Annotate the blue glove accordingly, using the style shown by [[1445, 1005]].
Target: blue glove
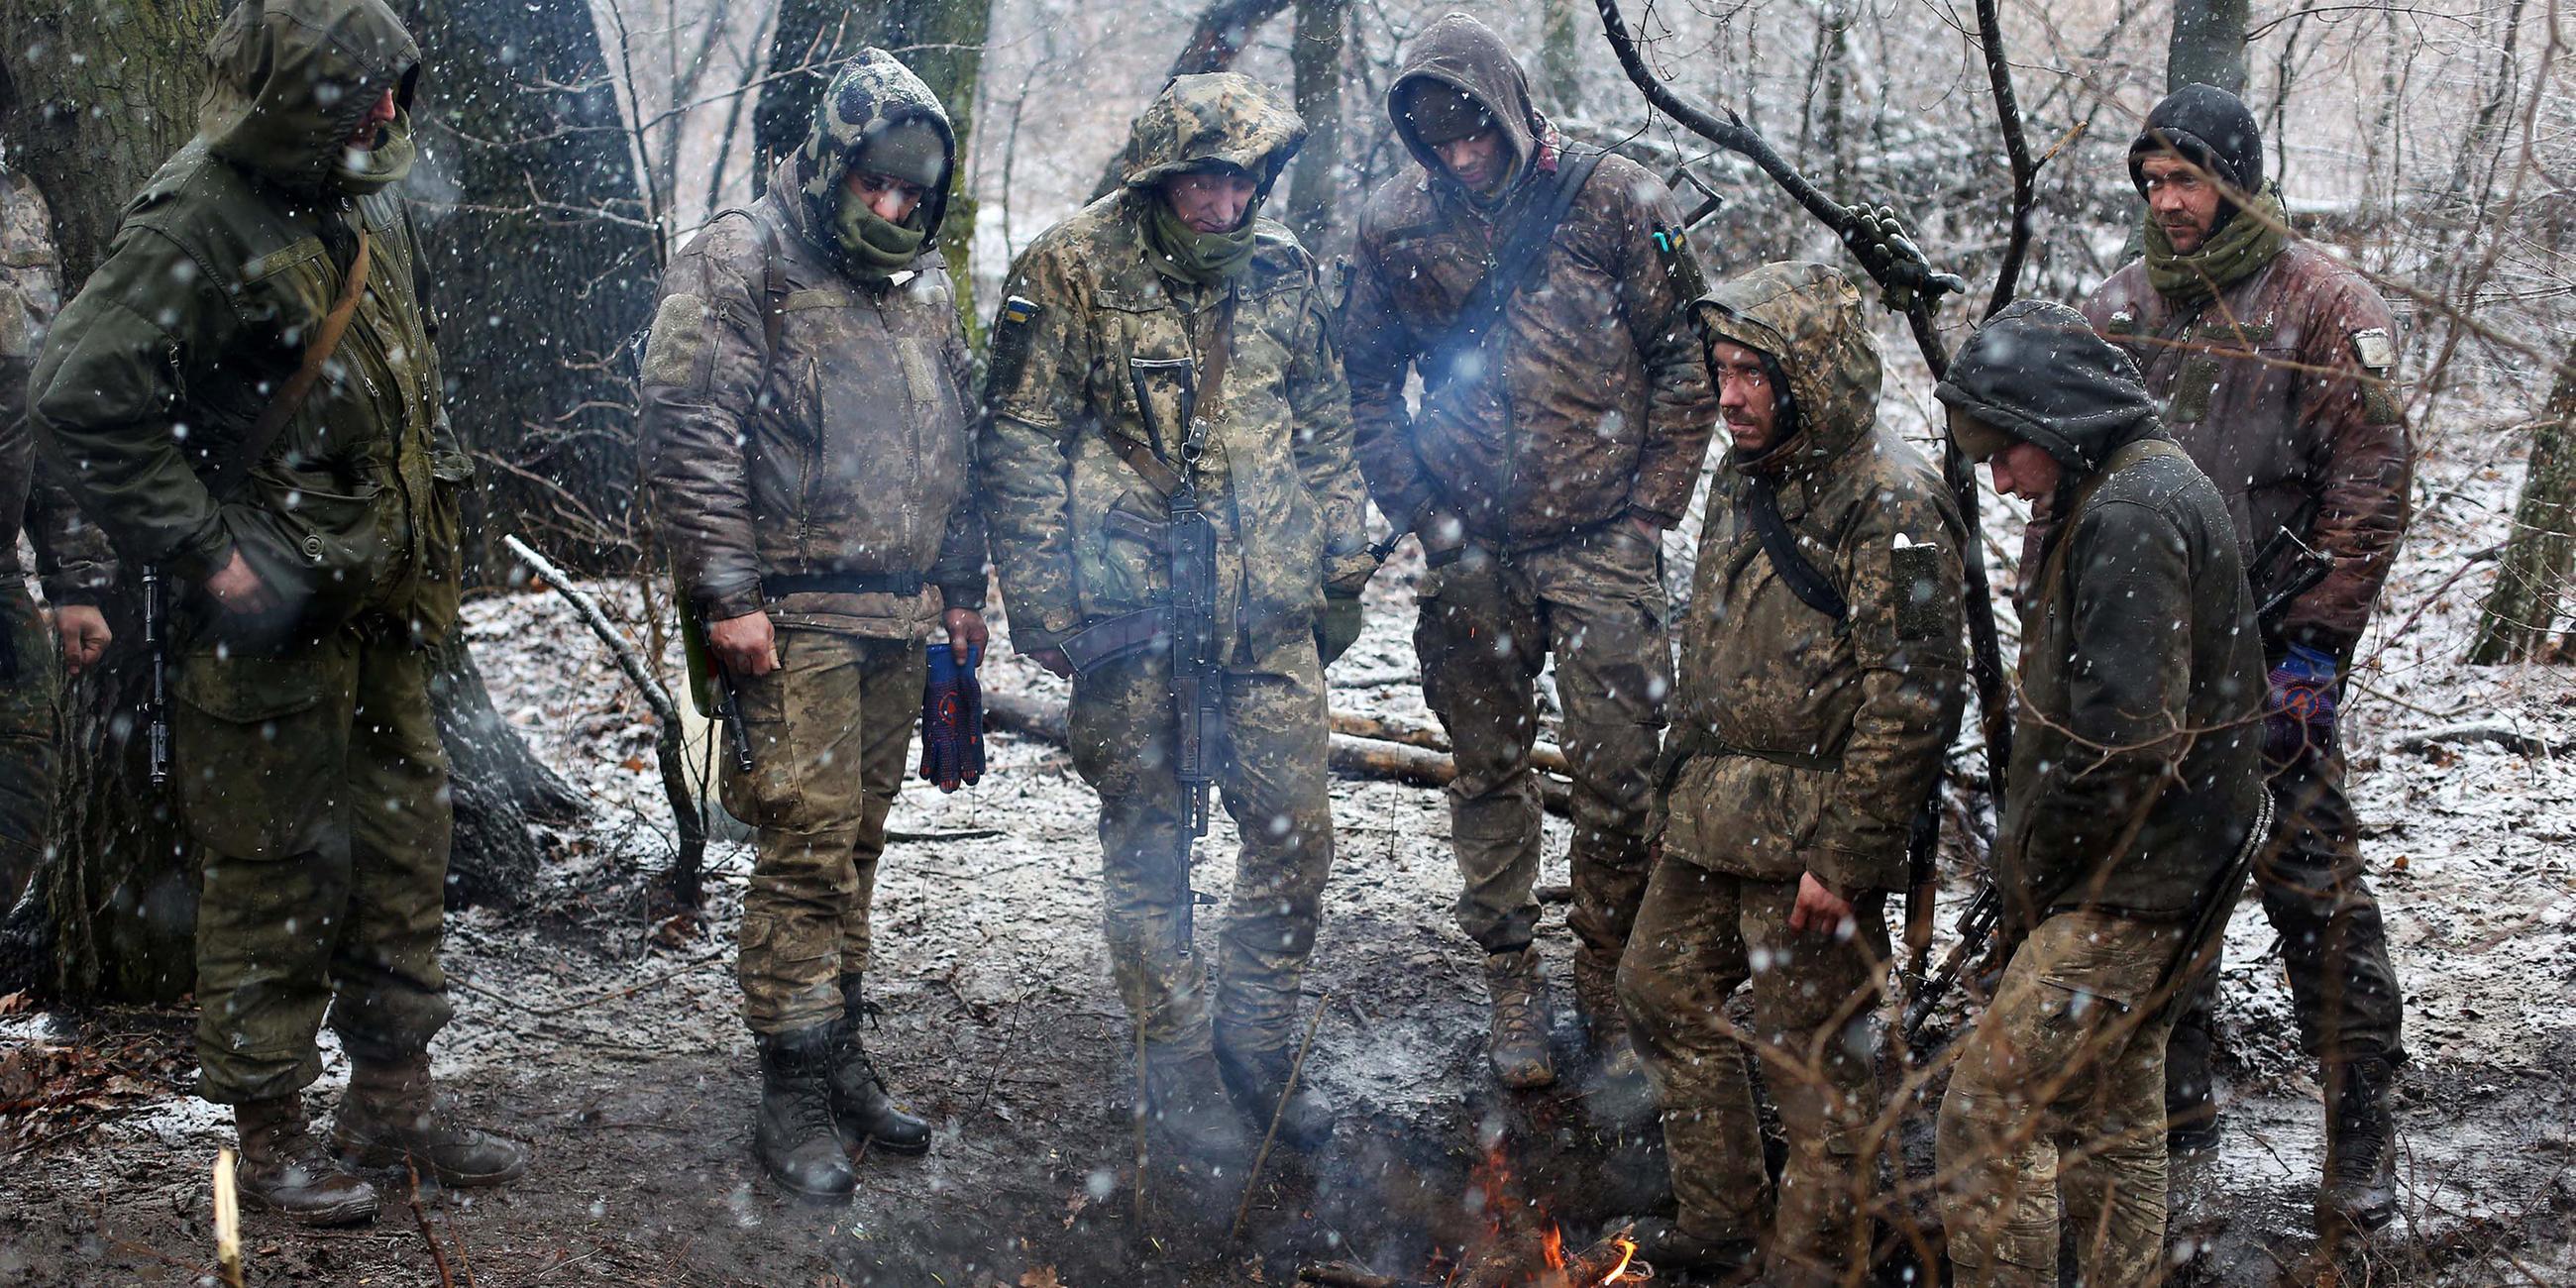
[[952, 719], [2299, 712]]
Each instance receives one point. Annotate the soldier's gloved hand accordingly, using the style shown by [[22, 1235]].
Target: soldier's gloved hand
[[1339, 626], [2299, 712], [952, 719]]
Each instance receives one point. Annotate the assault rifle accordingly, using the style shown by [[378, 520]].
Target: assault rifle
[[1198, 672], [156, 711]]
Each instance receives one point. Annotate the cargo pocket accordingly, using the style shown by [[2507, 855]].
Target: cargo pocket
[[254, 744]]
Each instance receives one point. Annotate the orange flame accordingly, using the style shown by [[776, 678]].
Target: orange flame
[[1627, 1253], [1551, 1247]]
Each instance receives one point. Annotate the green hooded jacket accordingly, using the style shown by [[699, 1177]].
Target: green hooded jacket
[[226, 263]]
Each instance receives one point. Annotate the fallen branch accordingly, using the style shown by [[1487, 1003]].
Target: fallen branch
[[669, 746], [437, 1256], [2505, 736], [1352, 756], [1296, 1070]]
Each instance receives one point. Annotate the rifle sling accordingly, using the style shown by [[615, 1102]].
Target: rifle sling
[[1218, 353], [299, 386], [1762, 508]]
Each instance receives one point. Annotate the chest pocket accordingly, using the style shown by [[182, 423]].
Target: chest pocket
[[1142, 324]]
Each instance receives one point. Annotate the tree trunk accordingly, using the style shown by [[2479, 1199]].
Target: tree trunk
[[119, 902], [942, 41], [2534, 574], [1563, 25], [1215, 40], [2208, 46], [1316, 55], [542, 261]]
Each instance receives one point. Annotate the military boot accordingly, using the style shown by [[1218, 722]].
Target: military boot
[[1516, 1045], [2360, 1190], [285, 1169], [866, 1116], [1257, 1077], [1596, 991], [1670, 1249], [793, 1136], [1185, 1101], [392, 1113], [2191, 1092]]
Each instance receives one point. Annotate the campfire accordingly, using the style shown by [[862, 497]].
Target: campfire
[[1522, 1247]]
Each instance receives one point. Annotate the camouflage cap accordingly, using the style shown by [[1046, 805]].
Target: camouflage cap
[[871, 94]]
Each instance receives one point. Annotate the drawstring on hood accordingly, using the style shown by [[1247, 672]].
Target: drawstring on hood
[[1466, 56], [292, 80]]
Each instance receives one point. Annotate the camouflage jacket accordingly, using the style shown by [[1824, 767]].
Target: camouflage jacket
[[1802, 744], [2134, 772], [849, 449], [72, 554], [226, 264], [2281, 389], [1074, 525], [1601, 406]]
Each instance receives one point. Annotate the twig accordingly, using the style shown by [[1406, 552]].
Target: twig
[[437, 1258], [2025, 172], [228, 1250], [1296, 1068], [1143, 1108]]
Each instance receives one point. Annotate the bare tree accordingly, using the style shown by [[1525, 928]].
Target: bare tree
[[2208, 45], [2534, 574], [1315, 52]]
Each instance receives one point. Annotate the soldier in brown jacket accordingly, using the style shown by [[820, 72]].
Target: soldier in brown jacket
[[806, 419], [1540, 473], [1814, 705], [2273, 362]]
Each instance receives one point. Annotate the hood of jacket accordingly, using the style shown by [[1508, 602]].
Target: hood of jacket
[[871, 93], [292, 79], [1808, 319], [1466, 55], [2038, 372], [1212, 118]]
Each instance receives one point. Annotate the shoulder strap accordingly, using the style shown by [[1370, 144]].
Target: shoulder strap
[[773, 293], [1762, 506], [291, 395], [1521, 252]]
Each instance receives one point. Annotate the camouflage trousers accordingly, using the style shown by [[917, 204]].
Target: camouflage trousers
[[29, 723], [316, 783], [2057, 1104], [1594, 601], [2333, 945], [831, 737], [1272, 778], [1699, 936]]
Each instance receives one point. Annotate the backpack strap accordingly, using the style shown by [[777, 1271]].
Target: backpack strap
[[1813, 588], [1480, 317]]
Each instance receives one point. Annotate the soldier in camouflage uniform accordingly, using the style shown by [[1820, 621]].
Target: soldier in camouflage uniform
[[1540, 490], [71, 554], [311, 575], [1805, 740], [808, 435], [1177, 265], [2134, 790]]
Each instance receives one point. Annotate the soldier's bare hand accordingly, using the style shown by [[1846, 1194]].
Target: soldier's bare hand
[[1819, 910], [84, 635], [746, 645], [967, 633], [239, 589], [1054, 660]]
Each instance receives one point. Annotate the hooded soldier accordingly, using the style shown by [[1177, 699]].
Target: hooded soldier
[[1169, 328], [2133, 794], [1555, 443], [1822, 676], [809, 437], [230, 403], [2274, 365]]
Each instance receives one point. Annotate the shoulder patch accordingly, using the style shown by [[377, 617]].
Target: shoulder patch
[[2374, 348], [679, 346]]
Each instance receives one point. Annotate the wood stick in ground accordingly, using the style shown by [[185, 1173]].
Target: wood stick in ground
[[1278, 1112], [437, 1255], [228, 1250]]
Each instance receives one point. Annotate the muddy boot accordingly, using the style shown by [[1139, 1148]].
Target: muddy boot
[[1257, 1077], [867, 1117], [1672, 1250], [1186, 1104], [392, 1113], [1517, 1043], [2191, 1093], [1596, 991], [793, 1136], [2360, 1190], [285, 1169]]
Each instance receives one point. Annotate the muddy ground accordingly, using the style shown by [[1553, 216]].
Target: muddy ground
[[610, 1040]]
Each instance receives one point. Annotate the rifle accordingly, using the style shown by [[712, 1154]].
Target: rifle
[[156, 711], [711, 685], [1198, 673]]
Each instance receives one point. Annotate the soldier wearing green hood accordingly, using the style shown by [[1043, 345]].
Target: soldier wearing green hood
[[313, 555], [808, 437], [1176, 271]]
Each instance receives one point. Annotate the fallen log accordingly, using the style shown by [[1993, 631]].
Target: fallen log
[[2510, 739], [1547, 757], [1351, 755]]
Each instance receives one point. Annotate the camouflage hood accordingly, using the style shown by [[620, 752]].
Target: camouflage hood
[[2038, 372], [1466, 55], [1807, 318], [870, 93], [1215, 117], [291, 80]]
